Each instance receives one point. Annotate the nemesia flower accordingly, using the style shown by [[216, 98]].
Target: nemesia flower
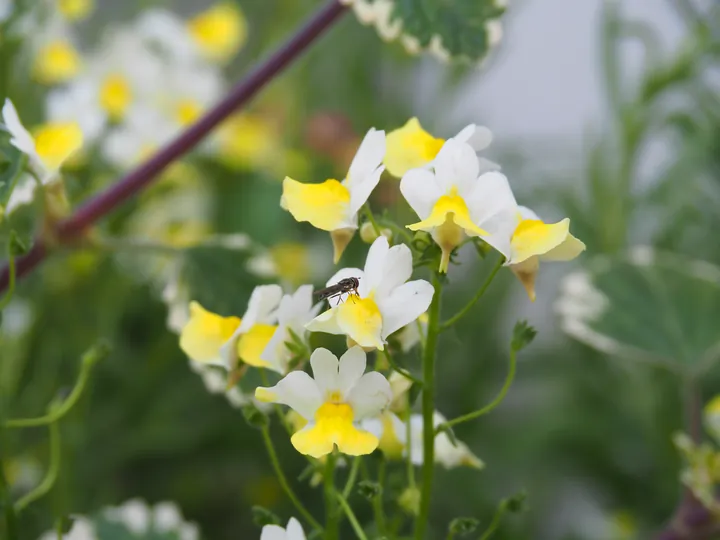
[[294, 312], [219, 32], [52, 145], [213, 339], [413, 333], [411, 147], [338, 396], [188, 91], [391, 433], [384, 303], [142, 519], [294, 531], [82, 529], [446, 454], [455, 201], [74, 103], [333, 206], [56, 59]]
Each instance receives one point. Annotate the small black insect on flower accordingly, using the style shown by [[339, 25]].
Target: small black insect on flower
[[347, 285]]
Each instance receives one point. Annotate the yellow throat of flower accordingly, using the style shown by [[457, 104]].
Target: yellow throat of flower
[[115, 96], [219, 31], [56, 62], [55, 143], [361, 319]]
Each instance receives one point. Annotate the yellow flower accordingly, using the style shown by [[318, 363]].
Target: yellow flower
[[56, 62], [247, 140], [220, 31]]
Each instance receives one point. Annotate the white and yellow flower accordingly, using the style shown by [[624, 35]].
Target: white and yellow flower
[[213, 339], [334, 401], [446, 454], [56, 58], [384, 303], [51, 146], [293, 531], [454, 200], [294, 312], [333, 206], [411, 147]]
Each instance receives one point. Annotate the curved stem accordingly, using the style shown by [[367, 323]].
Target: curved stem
[[9, 511], [428, 408], [494, 403], [351, 518], [495, 523], [332, 522], [353, 476], [371, 219], [464, 311], [283, 480], [52, 473], [402, 371]]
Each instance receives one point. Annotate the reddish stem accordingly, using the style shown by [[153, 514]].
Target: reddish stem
[[136, 180]]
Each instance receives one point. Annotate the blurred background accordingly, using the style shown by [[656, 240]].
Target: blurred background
[[606, 112]]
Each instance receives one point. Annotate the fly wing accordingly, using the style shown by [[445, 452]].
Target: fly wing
[[327, 291]]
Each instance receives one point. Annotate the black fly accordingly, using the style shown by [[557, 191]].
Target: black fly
[[347, 285]]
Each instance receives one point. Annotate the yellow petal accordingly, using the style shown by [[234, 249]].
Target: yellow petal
[[75, 10], [389, 442], [410, 147], [246, 140], [340, 239], [220, 31], [323, 205], [115, 96], [361, 320], [526, 272], [54, 143], [533, 237], [56, 62], [252, 343], [334, 426], [205, 333], [570, 248]]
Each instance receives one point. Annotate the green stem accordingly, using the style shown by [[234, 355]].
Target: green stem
[[494, 403], [6, 501], [11, 283], [283, 480], [89, 360], [410, 465], [428, 408], [398, 230], [351, 518], [52, 473], [495, 523], [378, 506], [371, 219], [332, 522], [464, 311], [351, 479], [402, 371]]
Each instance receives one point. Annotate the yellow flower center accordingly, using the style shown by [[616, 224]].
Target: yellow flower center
[[251, 344], [54, 143], [115, 96], [219, 31], [56, 62], [75, 10], [246, 140], [410, 147], [205, 333], [187, 111], [361, 320], [334, 426], [324, 206]]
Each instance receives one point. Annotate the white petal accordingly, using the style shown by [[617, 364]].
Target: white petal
[[361, 188], [325, 371], [404, 304], [273, 532], [21, 138], [369, 156], [478, 137], [456, 165], [399, 427], [490, 195], [263, 302], [420, 190], [276, 352], [375, 263], [369, 396], [325, 322], [167, 517], [527, 213], [296, 390], [486, 166], [352, 367], [397, 269], [295, 530], [500, 229], [373, 425]]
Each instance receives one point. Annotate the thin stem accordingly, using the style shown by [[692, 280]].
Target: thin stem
[[397, 229], [352, 477], [409, 462], [139, 178], [464, 311], [332, 522], [402, 371], [494, 403], [52, 473], [428, 408], [378, 506], [283, 480], [351, 518], [11, 282], [6, 501], [371, 219], [495, 523]]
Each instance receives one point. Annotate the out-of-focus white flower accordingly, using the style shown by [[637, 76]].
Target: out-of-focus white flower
[[333, 206], [334, 401], [16, 318], [446, 454], [384, 303], [56, 59], [74, 103], [75, 10], [188, 91], [6, 8], [135, 515], [82, 529], [413, 333], [294, 531], [140, 519]]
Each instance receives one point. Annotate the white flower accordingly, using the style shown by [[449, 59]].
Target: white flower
[[76, 102], [455, 201], [212, 339], [333, 402], [295, 311], [135, 515], [447, 454], [384, 303], [82, 529], [167, 517], [56, 58], [294, 531], [333, 206]]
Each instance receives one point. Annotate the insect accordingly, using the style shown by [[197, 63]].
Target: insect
[[347, 285]]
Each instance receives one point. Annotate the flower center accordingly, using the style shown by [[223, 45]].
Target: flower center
[[75, 10], [187, 111], [115, 96], [361, 320], [56, 62], [54, 143], [219, 32]]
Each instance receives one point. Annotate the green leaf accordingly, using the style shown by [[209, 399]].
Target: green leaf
[[463, 525], [461, 29], [523, 334], [262, 516], [650, 306], [369, 489]]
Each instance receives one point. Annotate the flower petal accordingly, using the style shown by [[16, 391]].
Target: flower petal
[[533, 237], [333, 426], [478, 137], [405, 304], [295, 530], [325, 206], [361, 320], [252, 344], [261, 307], [361, 188], [420, 190], [491, 195], [375, 263], [456, 165], [352, 367], [205, 334], [368, 157], [325, 322], [570, 248], [451, 209], [526, 272], [325, 372], [370, 395], [20, 137], [397, 269], [410, 147], [296, 390], [273, 532]]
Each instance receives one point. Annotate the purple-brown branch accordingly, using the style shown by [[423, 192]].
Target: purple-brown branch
[[136, 180]]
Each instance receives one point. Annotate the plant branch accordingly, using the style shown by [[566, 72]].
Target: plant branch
[[332, 521], [139, 178], [402, 371], [6, 503], [52, 473], [351, 518]]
